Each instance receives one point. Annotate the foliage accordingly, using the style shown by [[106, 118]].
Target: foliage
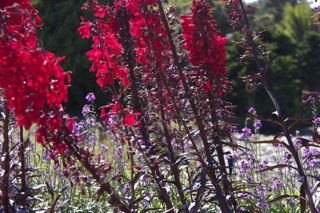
[[296, 20], [173, 135]]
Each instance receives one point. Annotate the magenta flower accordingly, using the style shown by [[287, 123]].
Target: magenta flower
[[245, 133], [257, 124], [90, 98], [244, 166]]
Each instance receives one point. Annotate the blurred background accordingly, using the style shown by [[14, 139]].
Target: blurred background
[[293, 46]]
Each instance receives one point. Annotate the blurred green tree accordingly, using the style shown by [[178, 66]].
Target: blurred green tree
[[296, 19], [284, 78]]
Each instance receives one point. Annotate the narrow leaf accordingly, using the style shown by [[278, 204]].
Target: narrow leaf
[[277, 166], [304, 121], [264, 119], [282, 197]]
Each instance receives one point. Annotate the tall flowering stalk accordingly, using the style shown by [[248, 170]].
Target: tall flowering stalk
[[159, 91], [34, 87], [240, 21]]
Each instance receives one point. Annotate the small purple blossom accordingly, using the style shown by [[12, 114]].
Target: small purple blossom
[[145, 179], [86, 110], [244, 166], [251, 110], [313, 163], [297, 143], [90, 121], [262, 166], [235, 156], [317, 121], [119, 153], [257, 124], [245, 133], [103, 147], [277, 184], [286, 156], [90, 98], [126, 187]]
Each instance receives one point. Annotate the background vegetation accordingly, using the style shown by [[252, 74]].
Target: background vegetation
[[292, 42]]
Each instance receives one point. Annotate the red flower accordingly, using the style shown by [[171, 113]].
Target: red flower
[[205, 46], [207, 87], [130, 120], [85, 29]]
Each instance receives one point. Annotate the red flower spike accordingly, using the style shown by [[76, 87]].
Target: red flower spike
[[204, 44], [30, 78]]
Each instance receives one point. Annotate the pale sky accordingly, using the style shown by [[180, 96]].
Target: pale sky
[[312, 5]]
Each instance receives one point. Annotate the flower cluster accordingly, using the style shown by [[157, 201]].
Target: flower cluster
[[246, 132], [106, 50], [206, 47], [30, 77]]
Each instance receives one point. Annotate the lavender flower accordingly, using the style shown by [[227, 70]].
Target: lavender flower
[[126, 187], [286, 156], [145, 179], [103, 147], [257, 124], [251, 110], [244, 166], [313, 163], [317, 121], [277, 184], [90, 98], [119, 153], [90, 121], [86, 110], [245, 133]]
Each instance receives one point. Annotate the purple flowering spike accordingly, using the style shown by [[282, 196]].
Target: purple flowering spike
[[90, 98]]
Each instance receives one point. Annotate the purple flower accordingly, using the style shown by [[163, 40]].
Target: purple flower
[[251, 110], [90, 98], [277, 184], [297, 143], [261, 165], [305, 152], [244, 196], [235, 156], [145, 179], [90, 121], [250, 179], [257, 124], [86, 110], [126, 187], [119, 152], [244, 166], [317, 121], [265, 161], [103, 147], [245, 133], [286, 156], [313, 163]]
